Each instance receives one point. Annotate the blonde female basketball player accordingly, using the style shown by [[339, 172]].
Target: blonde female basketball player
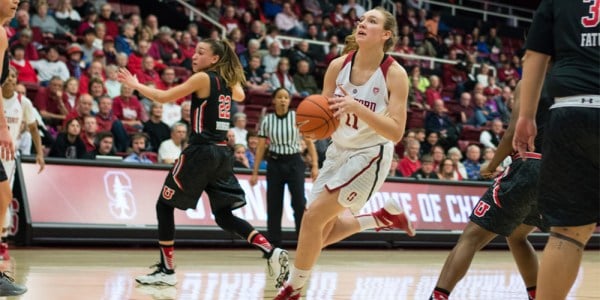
[[368, 92]]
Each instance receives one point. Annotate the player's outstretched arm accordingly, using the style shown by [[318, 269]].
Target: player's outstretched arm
[[198, 82]]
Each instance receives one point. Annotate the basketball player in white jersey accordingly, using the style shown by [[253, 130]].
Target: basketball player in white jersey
[[368, 92], [17, 109]]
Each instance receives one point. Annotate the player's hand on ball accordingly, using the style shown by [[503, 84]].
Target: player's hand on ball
[[343, 105]]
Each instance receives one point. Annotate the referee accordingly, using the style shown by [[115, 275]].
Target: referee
[[285, 164], [569, 190]]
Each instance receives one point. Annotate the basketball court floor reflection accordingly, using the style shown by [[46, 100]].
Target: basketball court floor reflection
[[108, 274]]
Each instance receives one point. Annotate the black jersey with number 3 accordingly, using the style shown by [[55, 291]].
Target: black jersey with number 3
[[210, 117], [573, 42]]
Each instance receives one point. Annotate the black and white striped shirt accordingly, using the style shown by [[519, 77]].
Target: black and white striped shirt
[[282, 132]]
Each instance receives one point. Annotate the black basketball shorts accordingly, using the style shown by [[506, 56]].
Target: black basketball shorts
[[203, 168], [512, 200]]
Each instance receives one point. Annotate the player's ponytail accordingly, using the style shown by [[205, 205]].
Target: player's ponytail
[[228, 66]]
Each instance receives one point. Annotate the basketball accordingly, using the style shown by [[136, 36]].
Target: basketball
[[314, 118]]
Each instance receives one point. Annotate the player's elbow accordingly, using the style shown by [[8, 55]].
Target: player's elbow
[[396, 136]]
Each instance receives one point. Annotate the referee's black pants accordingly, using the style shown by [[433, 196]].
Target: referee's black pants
[[281, 170]]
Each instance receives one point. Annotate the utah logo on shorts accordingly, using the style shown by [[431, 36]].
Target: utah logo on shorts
[[168, 192]]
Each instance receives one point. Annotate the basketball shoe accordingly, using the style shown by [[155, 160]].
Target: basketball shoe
[[4, 251], [392, 216], [278, 266], [8, 287], [158, 292], [160, 276], [288, 293]]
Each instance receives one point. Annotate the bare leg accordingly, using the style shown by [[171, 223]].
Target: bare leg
[[472, 240], [5, 199], [561, 260], [524, 254], [343, 227], [316, 218]]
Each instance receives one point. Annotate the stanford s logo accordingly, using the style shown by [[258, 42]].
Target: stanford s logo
[[119, 191], [168, 193], [351, 196], [481, 209]]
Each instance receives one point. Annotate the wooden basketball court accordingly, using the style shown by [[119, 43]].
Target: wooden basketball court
[[108, 274]]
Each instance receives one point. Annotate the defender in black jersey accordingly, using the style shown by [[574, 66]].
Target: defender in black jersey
[[569, 190], [206, 165], [7, 11], [509, 208]]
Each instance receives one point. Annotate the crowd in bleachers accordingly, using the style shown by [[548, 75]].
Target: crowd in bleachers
[[68, 53]]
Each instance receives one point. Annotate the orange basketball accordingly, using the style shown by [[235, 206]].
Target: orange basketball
[[314, 118]]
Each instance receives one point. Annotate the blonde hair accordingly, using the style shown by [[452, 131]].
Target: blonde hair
[[389, 23]]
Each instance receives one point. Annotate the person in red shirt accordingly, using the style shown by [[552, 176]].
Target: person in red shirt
[[89, 132], [108, 18], [187, 46], [410, 163], [434, 91], [229, 20], [167, 81], [129, 110], [96, 69], [83, 109], [26, 73], [50, 103], [165, 49], [147, 73], [25, 38], [71, 94]]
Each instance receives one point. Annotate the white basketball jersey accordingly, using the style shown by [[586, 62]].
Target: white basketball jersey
[[16, 110], [353, 132]]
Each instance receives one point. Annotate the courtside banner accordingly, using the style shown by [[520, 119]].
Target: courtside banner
[[127, 196]]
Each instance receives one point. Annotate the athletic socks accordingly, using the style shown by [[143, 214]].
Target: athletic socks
[[166, 257], [367, 222], [439, 294], [298, 277], [531, 292], [261, 242]]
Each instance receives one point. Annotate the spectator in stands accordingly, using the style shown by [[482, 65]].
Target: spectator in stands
[[256, 78], [300, 52], [257, 32], [50, 103], [103, 145], [107, 121], [352, 4], [88, 48], [170, 149], [109, 19], [334, 51], [186, 107], [75, 63], [228, 19], [288, 22], [447, 171], [482, 113], [431, 140], [405, 48], [422, 83], [122, 60], [110, 52], [252, 49], [465, 109], [83, 109], [507, 72], [128, 109], [66, 16], [493, 42], [271, 37], [456, 156], [252, 142], [151, 24], [100, 35], [165, 49], [167, 81], [48, 24], [394, 167], [282, 78], [315, 52], [492, 89], [499, 105], [135, 58], [25, 71], [171, 112], [488, 154], [147, 73], [239, 155], [490, 138], [89, 132], [90, 16], [427, 170], [304, 80], [410, 163], [25, 38], [68, 144], [438, 154], [434, 91], [483, 75], [50, 66], [157, 130], [473, 162], [112, 84], [438, 121], [138, 146], [95, 70], [96, 90], [125, 41], [215, 9], [187, 46], [239, 128], [71, 94]]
